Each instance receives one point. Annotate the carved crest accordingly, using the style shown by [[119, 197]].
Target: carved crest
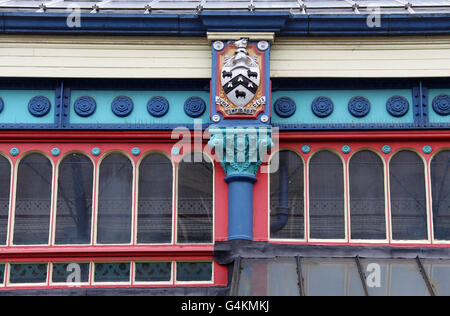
[[240, 80]]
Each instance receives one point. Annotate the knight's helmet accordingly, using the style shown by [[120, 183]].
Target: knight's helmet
[[241, 55]]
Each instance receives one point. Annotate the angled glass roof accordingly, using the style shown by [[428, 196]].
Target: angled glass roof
[[192, 6], [295, 276]]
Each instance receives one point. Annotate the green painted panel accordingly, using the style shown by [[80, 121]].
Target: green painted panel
[[341, 115], [435, 117], [140, 115], [16, 107]]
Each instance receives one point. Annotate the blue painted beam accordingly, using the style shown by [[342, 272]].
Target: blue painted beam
[[282, 23]]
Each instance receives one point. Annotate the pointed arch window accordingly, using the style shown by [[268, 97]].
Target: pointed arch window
[[74, 202], [440, 183], [287, 220], [326, 196], [408, 197], [154, 222], [33, 200], [195, 199], [115, 196], [5, 185], [367, 198]]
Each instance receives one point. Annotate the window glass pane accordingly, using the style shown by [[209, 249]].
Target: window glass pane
[[70, 273], [112, 272], [269, 277], [367, 203], [439, 276], [394, 278], [331, 277], [195, 199], [194, 271], [2, 273], [28, 273], [153, 271], [326, 193], [155, 200], [286, 196], [408, 198], [115, 200], [74, 206], [5, 184], [33, 200], [440, 182]]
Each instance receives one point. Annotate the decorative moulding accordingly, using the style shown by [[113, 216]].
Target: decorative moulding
[[234, 36]]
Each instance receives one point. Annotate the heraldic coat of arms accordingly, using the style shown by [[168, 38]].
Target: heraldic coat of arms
[[240, 83]]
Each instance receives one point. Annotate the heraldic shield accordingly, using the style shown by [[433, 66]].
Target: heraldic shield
[[240, 76], [240, 86]]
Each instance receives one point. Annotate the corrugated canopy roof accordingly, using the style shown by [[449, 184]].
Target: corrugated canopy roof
[[192, 6]]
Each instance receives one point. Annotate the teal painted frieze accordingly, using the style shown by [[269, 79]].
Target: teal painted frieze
[[241, 150]]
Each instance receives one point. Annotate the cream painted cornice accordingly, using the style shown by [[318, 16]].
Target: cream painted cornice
[[230, 36]]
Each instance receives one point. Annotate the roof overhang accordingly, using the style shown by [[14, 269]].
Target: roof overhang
[[278, 22]]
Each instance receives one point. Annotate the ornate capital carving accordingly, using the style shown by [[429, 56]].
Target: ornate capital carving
[[241, 150]]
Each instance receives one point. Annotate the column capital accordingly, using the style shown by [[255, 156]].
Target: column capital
[[240, 150]]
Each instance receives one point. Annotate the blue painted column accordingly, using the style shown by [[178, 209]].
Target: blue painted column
[[240, 206], [240, 152]]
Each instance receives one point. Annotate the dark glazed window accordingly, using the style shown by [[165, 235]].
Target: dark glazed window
[[408, 197], [195, 199], [28, 273], [5, 184], [367, 203], [33, 200], [326, 193], [194, 271], [286, 196], [115, 200], [155, 200], [440, 181], [112, 272], [74, 206]]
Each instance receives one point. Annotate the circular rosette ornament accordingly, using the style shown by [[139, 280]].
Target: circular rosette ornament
[[359, 106], [441, 104], [322, 107], [285, 107], [158, 106], [122, 106], [194, 107], [39, 106], [85, 106], [397, 106]]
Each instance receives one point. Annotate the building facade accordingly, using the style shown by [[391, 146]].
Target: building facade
[[224, 148]]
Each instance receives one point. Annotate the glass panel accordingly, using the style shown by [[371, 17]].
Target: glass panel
[[195, 199], [155, 200], [74, 206], [394, 278], [331, 277], [326, 193], [367, 203], [194, 271], [28, 273], [440, 182], [115, 200], [33, 200], [408, 198], [153, 271], [112, 272], [439, 276], [2, 273], [70, 272], [269, 277], [5, 185], [287, 196]]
